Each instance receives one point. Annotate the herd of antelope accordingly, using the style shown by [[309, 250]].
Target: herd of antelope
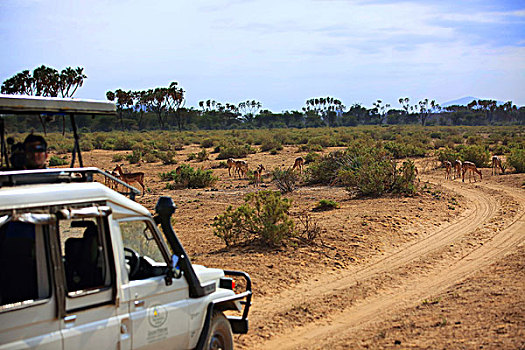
[[459, 169], [239, 168]]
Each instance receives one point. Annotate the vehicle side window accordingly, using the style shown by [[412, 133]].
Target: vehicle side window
[[143, 254], [84, 254], [23, 263]]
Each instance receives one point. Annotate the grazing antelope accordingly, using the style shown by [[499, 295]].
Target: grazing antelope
[[257, 174], [241, 168], [448, 167], [458, 165], [471, 168], [231, 164], [109, 182], [129, 178], [299, 161], [496, 163]]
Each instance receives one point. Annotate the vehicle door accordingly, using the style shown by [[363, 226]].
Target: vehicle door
[[28, 306], [158, 304], [92, 318]]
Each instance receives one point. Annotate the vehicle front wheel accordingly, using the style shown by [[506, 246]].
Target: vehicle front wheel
[[220, 336]]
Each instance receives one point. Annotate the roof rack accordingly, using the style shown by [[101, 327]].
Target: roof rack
[[59, 175]]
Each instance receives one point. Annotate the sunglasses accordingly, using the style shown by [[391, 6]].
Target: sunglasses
[[36, 150]]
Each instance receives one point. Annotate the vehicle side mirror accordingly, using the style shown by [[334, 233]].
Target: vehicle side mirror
[[175, 268]]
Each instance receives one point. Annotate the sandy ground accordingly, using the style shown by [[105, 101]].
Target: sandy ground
[[443, 269]]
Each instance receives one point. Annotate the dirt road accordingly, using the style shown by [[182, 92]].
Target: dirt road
[[329, 308]]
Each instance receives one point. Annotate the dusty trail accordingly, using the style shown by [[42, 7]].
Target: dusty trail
[[405, 283]]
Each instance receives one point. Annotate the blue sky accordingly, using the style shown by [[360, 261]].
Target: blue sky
[[280, 53]]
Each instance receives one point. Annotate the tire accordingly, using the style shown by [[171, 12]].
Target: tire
[[220, 336]]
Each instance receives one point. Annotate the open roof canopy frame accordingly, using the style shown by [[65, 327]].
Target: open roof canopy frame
[[18, 104]]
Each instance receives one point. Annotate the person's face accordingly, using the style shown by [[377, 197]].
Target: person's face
[[36, 155]]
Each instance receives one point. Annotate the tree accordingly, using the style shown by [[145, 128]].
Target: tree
[[174, 101], [45, 81], [249, 109], [328, 109], [124, 101], [425, 108], [381, 110], [405, 103]]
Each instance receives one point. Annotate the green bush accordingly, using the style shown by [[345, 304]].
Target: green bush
[[235, 151], [56, 161], [325, 204], [475, 154], [187, 177], [150, 158], [207, 143], [517, 160], [364, 171], [271, 144], [286, 180], [134, 157], [447, 154], [311, 157], [404, 179], [202, 155], [167, 158], [324, 170], [263, 217], [367, 174], [402, 150], [117, 158], [123, 143]]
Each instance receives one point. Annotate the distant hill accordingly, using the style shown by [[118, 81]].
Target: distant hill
[[464, 101], [459, 102]]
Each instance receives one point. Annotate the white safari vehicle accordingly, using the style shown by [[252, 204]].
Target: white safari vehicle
[[85, 267]]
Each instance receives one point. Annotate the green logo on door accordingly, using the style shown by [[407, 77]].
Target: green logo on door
[[157, 315]]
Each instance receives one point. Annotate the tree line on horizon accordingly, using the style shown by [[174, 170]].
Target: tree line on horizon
[[164, 108]]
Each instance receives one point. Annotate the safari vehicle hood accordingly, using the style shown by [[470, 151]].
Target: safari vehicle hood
[[207, 274]]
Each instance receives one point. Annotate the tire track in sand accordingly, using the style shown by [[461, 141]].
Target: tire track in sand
[[484, 207]]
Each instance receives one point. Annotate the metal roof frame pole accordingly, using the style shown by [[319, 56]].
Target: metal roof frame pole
[[76, 148], [3, 145]]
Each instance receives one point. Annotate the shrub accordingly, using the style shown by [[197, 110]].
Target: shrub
[[187, 177], [475, 154], [86, 145], [325, 204], [271, 144], [167, 158], [150, 158], [202, 155], [285, 180], [517, 160], [365, 171], [109, 144], [117, 157], [447, 154], [235, 151], [311, 157], [404, 179], [401, 150], [263, 217], [324, 170], [56, 161], [134, 157], [207, 143], [123, 143]]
